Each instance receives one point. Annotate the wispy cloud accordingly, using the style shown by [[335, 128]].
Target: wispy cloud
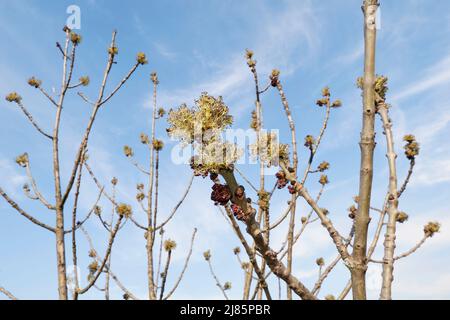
[[276, 45]]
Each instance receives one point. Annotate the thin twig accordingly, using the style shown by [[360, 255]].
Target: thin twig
[[7, 293], [23, 213]]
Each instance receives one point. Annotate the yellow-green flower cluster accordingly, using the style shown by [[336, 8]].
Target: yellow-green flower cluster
[[208, 114], [380, 85], [128, 151], [169, 245], [269, 150], [113, 50], [401, 217], [98, 210], [431, 228], [323, 166], [75, 38], [274, 77], [141, 58], [264, 199], [323, 179], [13, 97], [158, 145], [93, 266], [310, 141], [22, 160], [124, 210], [140, 196], [84, 81], [154, 78], [207, 255], [33, 82], [144, 138], [161, 112], [254, 121], [249, 56], [227, 286], [320, 262], [214, 157], [412, 147]]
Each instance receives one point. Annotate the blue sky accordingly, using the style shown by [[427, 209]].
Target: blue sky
[[198, 46]]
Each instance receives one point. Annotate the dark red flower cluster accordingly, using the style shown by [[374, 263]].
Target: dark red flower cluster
[[238, 212], [294, 187], [281, 180], [213, 176], [199, 170], [221, 194]]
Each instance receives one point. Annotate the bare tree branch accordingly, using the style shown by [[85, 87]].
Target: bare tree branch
[[7, 293], [23, 213]]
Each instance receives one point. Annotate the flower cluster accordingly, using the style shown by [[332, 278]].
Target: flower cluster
[[128, 151], [97, 210], [154, 78], [113, 50], [431, 228], [320, 262], [246, 266], [352, 212], [274, 77], [84, 81], [295, 187], [412, 147], [189, 124], [140, 196], [161, 112], [310, 142], [13, 97], [93, 266], [124, 210], [144, 138], [401, 217], [323, 179], [75, 38], [238, 212], [33, 82], [114, 181], [254, 121], [215, 156], [269, 150], [325, 100], [324, 166], [380, 85], [169, 245], [264, 198], [250, 61], [158, 144], [207, 255], [281, 179], [22, 160], [141, 58], [221, 194]]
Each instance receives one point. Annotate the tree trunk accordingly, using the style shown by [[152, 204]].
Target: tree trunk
[[367, 145], [60, 255]]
